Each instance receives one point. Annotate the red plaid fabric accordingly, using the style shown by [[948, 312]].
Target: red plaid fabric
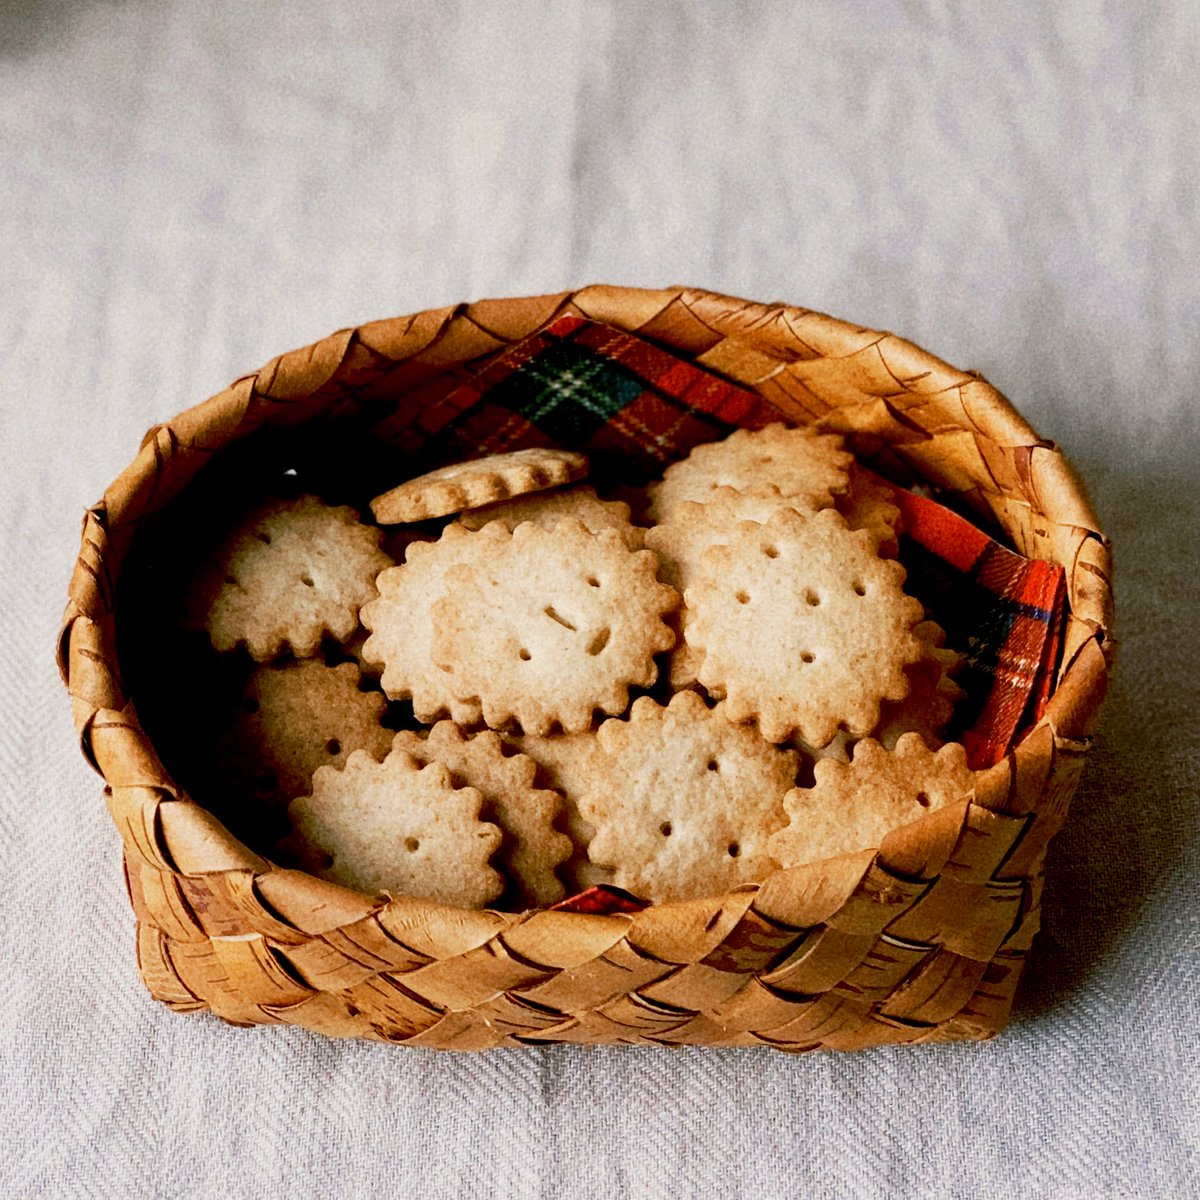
[[601, 900], [1003, 611], [585, 386]]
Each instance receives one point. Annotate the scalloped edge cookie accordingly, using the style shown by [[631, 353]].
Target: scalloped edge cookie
[[397, 827], [803, 627], [853, 806], [552, 625], [533, 849], [479, 481], [291, 573], [684, 802]]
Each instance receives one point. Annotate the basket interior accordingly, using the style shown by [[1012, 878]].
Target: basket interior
[[346, 450], [350, 427]]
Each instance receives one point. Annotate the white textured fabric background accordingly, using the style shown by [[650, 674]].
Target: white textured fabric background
[[187, 189]]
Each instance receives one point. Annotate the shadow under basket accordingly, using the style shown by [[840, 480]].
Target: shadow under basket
[[920, 941]]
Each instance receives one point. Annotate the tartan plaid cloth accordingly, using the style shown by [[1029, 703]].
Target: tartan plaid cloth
[[635, 408], [581, 385], [1003, 611]]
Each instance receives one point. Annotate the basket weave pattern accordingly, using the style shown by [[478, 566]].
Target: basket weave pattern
[[922, 941]]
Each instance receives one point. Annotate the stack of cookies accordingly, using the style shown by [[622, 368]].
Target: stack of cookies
[[674, 705]]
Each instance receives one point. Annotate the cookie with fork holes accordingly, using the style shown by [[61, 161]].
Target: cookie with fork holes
[[684, 802], [293, 718], [854, 806], [552, 625], [398, 827], [401, 623], [293, 572], [682, 538], [803, 627]]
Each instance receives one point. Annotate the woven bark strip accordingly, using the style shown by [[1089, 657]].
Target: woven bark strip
[[921, 942]]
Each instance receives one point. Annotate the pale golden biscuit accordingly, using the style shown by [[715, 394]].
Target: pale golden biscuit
[[803, 465], [552, 625], [401, 622], [803, 627], [547, 508], [684, 536], [463, 485], [294, 571], [854, 806], [294, 718], [397, 827], [868, 505], [566, 761], [683, 802], [533, 849]]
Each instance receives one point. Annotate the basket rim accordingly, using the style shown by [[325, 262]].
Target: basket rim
[[183, 838]]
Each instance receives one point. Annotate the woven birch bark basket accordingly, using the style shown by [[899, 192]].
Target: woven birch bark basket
[[920, 941]]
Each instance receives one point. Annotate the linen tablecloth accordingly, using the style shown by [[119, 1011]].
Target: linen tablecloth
[[188, 189]]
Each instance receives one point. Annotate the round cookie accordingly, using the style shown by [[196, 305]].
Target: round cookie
[[292, 572], [458, 486], [684, 803], [800, 464], [401, 623], [682, 538], [803, 627], [395, 826], [294, 718], [551, 625]]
